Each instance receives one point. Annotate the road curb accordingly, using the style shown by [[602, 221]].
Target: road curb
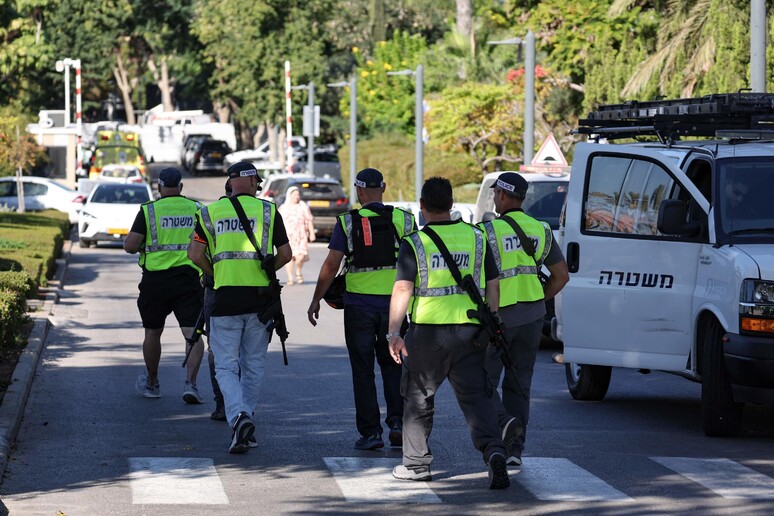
[[15, 398]]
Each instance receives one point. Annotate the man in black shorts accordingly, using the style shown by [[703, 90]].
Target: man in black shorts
[[170, 281]]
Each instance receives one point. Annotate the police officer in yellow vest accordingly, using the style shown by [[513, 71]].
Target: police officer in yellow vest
[[368, 238], [522, 301], [170, 281], [238, 338], [442, 341]]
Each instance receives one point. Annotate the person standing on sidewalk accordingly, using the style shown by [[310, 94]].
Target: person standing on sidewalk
[[522, 300], [170, 281], [368, 238], [239, 337], [443, 341]]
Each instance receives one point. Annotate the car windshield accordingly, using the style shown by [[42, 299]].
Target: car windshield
[[120, 194], [744, 196], [215, 146]]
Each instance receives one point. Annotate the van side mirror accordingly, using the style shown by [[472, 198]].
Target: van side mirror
[[671, 219], [490, 215]]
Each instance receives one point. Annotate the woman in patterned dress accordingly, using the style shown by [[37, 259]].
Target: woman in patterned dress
[[299, 224]]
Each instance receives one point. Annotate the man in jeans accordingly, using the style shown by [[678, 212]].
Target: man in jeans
[[238, 329], [369, 239]]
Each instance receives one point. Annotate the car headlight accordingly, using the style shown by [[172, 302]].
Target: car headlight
[[756, 306], [757, 291]]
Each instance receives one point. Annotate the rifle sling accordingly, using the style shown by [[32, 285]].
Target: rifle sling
[[455, 271], [246, 226], [526, 242]]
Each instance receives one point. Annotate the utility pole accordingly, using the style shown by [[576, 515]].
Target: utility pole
[[758, 45]]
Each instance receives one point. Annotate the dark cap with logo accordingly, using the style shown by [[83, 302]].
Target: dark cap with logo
[[169, 177], [369, 178], [513, 183], [243, 169]]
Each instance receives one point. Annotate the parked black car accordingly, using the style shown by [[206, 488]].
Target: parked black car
[[325, 197], [208, 156]]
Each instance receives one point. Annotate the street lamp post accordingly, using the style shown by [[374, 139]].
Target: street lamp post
[[419, 113], [310, 136], [529, 91], [352, 84]]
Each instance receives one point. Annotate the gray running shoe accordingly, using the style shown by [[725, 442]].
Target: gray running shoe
[[146, 390], [511, 432], [369, 442], [243, 432], [498, 472], [191, 394], [417, 473]]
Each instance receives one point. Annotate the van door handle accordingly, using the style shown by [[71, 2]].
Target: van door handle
[[573, 256]]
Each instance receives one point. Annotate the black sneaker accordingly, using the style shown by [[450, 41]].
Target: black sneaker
[[417, 473], [219, 414], [511, 432], [243, 432], [369, 442], [396, 433], [498, 472]]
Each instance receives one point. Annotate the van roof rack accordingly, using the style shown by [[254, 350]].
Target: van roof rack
[[718, 115]]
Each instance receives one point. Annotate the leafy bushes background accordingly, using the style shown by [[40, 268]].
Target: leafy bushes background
[[29, 245]]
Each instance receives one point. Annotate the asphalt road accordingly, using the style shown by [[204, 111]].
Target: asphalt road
[[90, 445]]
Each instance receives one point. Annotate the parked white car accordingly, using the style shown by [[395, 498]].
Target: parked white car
[[41, 194], [109, 212]]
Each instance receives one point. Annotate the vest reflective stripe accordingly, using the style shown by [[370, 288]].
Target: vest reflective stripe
[[166, 245], [519, 281], [234, 259], [437, 299], [373, 280]]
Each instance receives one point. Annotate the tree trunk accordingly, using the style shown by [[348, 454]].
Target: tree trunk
[[162, 81], [259, 134], [376, 22], [272, 141], [281, 140], [221, 110], [464, 17], [123, 83]]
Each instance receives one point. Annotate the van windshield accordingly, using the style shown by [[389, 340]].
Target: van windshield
[[544, 201], [744, 196]]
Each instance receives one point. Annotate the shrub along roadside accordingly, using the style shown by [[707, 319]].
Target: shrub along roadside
[[393, 154], [29, 245]]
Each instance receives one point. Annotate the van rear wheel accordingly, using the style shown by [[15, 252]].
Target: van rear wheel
[[587, 382], [721, 415]]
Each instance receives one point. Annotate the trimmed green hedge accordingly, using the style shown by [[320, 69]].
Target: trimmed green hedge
[[29, 245]]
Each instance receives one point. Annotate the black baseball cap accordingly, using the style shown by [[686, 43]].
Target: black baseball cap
[[369, 178], [243, 169], [512, 182], [170, 177]]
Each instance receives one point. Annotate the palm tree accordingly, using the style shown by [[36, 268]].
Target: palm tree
[[684, 29]]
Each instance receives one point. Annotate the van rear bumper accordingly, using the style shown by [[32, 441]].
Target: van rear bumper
[[750, 364]]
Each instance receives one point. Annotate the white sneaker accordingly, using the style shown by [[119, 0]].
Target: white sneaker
[[191, 394], [146, 390]]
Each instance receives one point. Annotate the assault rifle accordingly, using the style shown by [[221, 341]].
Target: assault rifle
[[490, 321], [273, 316]]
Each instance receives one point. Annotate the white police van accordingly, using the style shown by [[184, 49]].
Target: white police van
[[670, 248]]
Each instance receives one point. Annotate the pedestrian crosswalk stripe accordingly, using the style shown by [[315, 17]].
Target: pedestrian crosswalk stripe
[[364, 480], [722, 476], [556, 479], [175, 480]]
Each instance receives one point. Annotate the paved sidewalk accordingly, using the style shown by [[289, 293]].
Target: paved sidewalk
[[15, 399]]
